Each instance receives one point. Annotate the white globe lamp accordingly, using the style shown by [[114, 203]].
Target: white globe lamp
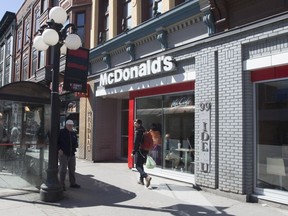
[[39, 44], [58, 14], [73, 41], [50, 37]]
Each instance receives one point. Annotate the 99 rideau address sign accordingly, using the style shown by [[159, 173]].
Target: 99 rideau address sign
[[205, 137]]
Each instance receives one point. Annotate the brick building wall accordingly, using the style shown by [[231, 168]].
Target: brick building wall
[[225, 83]]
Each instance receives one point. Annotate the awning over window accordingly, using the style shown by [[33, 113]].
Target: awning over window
[[26, 91]]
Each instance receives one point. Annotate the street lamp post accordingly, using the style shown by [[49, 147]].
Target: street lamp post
[[55, 34]]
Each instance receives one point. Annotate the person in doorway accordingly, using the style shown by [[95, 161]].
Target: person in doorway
[[140, 154], [15, 133], [67, 144]]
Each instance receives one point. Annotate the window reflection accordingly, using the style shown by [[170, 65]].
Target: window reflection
[[24, 140], [272, 135], [172, 118]]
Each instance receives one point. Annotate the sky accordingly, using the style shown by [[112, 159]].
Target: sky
[[9, 5]]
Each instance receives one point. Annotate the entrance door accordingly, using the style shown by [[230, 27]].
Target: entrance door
[[124, 127]]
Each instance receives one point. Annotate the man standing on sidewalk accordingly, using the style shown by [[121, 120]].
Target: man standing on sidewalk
[[67, 145], [140, 154]]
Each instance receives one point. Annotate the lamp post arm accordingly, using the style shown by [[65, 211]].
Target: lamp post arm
[[63, 32], [41, 29], [70, 25]]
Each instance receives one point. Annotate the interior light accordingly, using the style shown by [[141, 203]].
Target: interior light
[[27, 109]]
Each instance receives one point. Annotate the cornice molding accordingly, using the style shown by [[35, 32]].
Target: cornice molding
[[149, 27]]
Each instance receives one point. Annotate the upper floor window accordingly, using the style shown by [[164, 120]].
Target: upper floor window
[[27, 32], [157, 7], [44, 5], [80, 22], [34, 61], [1, 73], [41, 60], [17, 71], [125, 12], [37, 19], [55, 3], [177, 2], [104, 21], [151, 8], [9, 46], [19, 40], [2, 53], [7, 71], [25, 68]]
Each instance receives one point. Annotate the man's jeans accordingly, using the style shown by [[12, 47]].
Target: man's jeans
[[70, 162], [141, 157]]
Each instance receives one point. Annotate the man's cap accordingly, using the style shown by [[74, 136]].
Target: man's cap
[[69, 122]]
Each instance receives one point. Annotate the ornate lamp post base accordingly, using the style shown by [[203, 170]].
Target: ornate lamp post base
[[51, 190], [50, 193]]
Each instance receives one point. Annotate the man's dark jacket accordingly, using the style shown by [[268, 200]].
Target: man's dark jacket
[[67, 142], [138, 137]]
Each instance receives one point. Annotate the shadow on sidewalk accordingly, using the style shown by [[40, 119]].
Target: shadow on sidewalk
[[98, 193], [95, 193]]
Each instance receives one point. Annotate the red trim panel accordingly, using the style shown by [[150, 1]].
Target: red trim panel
[[130, 133], [164, 89], [269, 73]]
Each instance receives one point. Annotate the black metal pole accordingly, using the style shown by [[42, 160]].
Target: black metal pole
[[51, 190]]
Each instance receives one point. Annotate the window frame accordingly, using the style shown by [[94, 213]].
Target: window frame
[[34, 61], [9, 46], [27, 31], [7, 71], [37, 19], [25, 75], [82, 26], [2, 54], [17, 71], [1, 73], [19, 40]]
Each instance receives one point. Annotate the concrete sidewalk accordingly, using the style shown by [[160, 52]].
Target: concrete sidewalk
[[112, 189]]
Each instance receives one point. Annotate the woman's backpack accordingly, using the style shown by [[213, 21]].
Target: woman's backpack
[[147, 141]]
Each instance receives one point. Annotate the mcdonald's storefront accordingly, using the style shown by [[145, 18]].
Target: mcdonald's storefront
[[218, 103]]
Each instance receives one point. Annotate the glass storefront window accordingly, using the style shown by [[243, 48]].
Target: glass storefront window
[[272, 135], [24, 140], [172, 118]]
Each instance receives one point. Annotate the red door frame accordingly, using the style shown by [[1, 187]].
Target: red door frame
[[187, 86]]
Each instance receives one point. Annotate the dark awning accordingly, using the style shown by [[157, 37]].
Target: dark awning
[[26, 91]]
